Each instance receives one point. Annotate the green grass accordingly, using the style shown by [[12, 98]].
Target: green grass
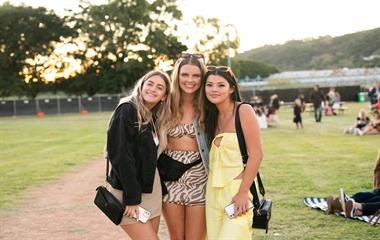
[[34, 150], [315, 161]]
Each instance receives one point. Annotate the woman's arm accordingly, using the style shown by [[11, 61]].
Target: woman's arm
[[120, 147], [252, 139]]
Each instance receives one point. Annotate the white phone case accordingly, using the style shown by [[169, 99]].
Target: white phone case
[[229, 209], [143, 215]]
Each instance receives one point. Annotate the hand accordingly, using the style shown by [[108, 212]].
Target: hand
[[132, 211], [241, 202]]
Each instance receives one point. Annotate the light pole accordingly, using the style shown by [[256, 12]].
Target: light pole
[[228, 50], [228, 28]]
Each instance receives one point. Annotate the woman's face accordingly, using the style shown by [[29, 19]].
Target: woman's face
[[153, 91], [189, 78], [218, 90]]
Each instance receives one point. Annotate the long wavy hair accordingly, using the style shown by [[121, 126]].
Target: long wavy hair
[[176, 96], [209, 113], [160, 112]]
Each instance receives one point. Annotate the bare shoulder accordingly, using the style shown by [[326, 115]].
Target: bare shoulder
[[246, 110]]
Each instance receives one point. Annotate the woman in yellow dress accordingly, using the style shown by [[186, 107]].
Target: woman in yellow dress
[[229, 180]]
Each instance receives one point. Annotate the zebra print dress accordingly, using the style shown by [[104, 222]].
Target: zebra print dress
[[189, 189]]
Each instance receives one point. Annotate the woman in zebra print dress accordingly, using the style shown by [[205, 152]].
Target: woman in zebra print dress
[[184, 205]]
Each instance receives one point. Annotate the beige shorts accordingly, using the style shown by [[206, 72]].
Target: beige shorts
[[150, 201]]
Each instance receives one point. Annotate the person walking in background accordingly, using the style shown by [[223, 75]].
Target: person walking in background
[[318, 98], [273, 107], [229, 181], [297, 110], [135, 137], [301, 97], [184, 205]]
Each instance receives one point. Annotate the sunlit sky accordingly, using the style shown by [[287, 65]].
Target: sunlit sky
[[262, 22]]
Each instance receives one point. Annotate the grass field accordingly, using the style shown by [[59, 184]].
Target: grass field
[[33, 150], [315, 161]]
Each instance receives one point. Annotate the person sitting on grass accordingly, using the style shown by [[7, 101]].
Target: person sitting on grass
[[361, 121], [361, 203], [353, 209], [374, 126]]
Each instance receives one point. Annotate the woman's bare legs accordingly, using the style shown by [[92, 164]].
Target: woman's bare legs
[[185, 222], [195, 223], [155, 223], [175, 220], [142, 231]]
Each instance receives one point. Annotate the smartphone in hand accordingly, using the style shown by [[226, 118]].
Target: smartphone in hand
[[143, 215], [230, 209]]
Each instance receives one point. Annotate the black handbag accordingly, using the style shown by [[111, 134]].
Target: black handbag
[[170, 169], [262, 208], [108, 203]]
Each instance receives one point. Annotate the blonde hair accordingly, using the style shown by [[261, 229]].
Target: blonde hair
[[362, 110], [176, 97], [161, 111]]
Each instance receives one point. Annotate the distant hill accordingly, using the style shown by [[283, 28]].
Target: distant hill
[[323, 53]]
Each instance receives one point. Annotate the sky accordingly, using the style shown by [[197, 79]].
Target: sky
[[269, 22]]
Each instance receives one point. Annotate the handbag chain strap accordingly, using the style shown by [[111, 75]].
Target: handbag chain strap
[[107, 167], [244, 155]]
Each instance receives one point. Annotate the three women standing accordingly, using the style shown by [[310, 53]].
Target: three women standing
[[151, 121]]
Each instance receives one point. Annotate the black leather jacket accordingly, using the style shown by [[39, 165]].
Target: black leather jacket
[[132, 153]]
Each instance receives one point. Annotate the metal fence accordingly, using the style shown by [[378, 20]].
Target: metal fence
[[348, 93], [107, 103], [58, 105]]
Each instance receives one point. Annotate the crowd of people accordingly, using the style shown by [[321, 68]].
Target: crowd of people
[[322, 104], [366, 124], [363, 124], [266, 113]]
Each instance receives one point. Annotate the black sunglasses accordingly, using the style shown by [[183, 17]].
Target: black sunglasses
[[192, 55]]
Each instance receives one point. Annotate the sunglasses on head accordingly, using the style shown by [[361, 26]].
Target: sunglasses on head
[[211, 68], [192, 55]]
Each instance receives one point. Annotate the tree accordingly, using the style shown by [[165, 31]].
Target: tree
[[215, 40], [126, 38], [26, 33], [252, 69]]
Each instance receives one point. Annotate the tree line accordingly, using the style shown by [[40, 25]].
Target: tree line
[[348, 51], [102, 48]]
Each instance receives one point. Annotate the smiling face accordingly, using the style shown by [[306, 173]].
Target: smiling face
[[153, 91], [218, 90], [189, 79]]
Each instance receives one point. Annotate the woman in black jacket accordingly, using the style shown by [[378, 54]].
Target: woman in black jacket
[[134, 141]]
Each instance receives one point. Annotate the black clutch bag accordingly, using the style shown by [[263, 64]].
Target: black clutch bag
[[263, 208], [108, 203]]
